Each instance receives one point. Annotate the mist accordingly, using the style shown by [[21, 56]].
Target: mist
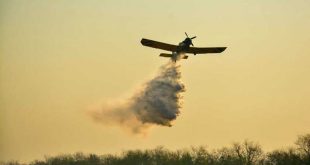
[[156, 102]]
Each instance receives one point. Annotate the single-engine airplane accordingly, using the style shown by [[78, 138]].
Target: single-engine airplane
[[178, 51]]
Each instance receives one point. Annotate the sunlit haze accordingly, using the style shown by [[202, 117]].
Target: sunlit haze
[[59, 58]]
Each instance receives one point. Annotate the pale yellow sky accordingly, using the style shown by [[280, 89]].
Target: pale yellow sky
[[57, 58]]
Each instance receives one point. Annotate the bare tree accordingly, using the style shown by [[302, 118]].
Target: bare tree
[[284, 157], [303, 143], [249, 153]]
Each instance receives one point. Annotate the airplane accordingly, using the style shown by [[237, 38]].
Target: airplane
[[179, 51]]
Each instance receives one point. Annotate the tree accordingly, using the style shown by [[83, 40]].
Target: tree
[[248, 153], [303, 144], [284, 157]]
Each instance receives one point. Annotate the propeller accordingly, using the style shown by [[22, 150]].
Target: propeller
[[190, 38], [186, 35]]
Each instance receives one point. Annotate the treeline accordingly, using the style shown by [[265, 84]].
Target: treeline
[[245, 153]]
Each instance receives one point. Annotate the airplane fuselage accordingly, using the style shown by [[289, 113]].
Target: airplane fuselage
[[184, 45], [181, 49]]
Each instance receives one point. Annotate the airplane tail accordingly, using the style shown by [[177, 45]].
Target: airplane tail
[[171, 55], [165, 55], [184, 57]]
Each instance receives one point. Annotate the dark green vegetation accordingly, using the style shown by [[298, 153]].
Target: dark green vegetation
[[245, 153]]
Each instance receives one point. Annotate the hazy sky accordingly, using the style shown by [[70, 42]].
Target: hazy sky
[[58, 58]]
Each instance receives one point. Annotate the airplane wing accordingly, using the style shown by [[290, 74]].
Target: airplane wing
[[158, 45], [196, 50]]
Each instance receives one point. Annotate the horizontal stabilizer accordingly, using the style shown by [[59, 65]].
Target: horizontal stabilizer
[[184, 57], [170, 55], [165, 55]]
